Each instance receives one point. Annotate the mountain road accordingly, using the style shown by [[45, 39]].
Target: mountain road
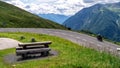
[[81, 39]]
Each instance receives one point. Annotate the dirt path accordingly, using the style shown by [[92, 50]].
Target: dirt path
[[6, 43]]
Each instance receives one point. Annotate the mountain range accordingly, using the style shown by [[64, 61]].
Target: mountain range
[[103, 19], [55, 17], [12, 16]]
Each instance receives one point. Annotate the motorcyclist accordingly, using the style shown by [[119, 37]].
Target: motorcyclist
[[99, 37]]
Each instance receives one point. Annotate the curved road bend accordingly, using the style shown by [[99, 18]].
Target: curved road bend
[[75, 37]]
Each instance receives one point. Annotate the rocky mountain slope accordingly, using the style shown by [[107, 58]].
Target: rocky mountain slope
[[101, 19], [55, 17]]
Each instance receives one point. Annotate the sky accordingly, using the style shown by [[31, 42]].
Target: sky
[[63, 7]]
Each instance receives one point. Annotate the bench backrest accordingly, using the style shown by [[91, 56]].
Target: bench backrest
[[34, 43]]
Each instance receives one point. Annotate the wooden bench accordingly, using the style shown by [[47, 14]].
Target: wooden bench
[[26, 49]]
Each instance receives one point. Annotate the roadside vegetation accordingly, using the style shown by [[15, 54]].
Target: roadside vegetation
[[70, 55]]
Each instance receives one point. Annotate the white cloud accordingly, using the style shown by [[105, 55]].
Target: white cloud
[[16, 2], [66, 7]]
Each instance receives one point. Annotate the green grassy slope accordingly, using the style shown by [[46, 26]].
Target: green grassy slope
[[11, 16], [70, 55]]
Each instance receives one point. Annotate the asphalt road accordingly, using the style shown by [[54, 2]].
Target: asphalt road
[[75, 37]]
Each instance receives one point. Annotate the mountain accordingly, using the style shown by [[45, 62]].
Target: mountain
[[103, 19], [55, 17], [11, 16], [115, 7]]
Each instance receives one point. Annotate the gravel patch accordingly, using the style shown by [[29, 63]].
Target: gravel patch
[[6, 43]]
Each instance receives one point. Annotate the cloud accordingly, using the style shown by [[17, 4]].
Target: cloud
[[64, 7], [17, 3]]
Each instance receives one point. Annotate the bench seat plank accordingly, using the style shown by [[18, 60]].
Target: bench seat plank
[[30, 47], [31, 51]]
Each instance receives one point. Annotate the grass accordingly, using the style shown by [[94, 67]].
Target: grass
[[11, 16], [71, 55]]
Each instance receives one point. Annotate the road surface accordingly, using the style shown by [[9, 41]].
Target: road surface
[[75, 37]]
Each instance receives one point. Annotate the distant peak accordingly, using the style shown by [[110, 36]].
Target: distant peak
[[98, 5]]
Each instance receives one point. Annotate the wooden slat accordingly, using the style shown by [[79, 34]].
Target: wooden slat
[[32, 51], [30, 47], [35, 43]]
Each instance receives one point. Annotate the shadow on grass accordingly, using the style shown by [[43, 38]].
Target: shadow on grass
[[12, 58]]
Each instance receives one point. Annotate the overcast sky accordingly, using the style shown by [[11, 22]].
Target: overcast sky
[[64, 7]]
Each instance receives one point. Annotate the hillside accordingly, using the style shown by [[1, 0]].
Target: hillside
[[11, 16], [55, 17], [99, 19]]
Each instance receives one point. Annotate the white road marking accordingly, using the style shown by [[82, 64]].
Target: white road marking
[[98, 45], [91, 42], [48, 31], [56, 32], [84, 39], [63, 33], [78, 37], [60, 33], [71, 35]]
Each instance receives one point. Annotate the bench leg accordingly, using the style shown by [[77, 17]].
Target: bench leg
[[24, 56], [45, 53]]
